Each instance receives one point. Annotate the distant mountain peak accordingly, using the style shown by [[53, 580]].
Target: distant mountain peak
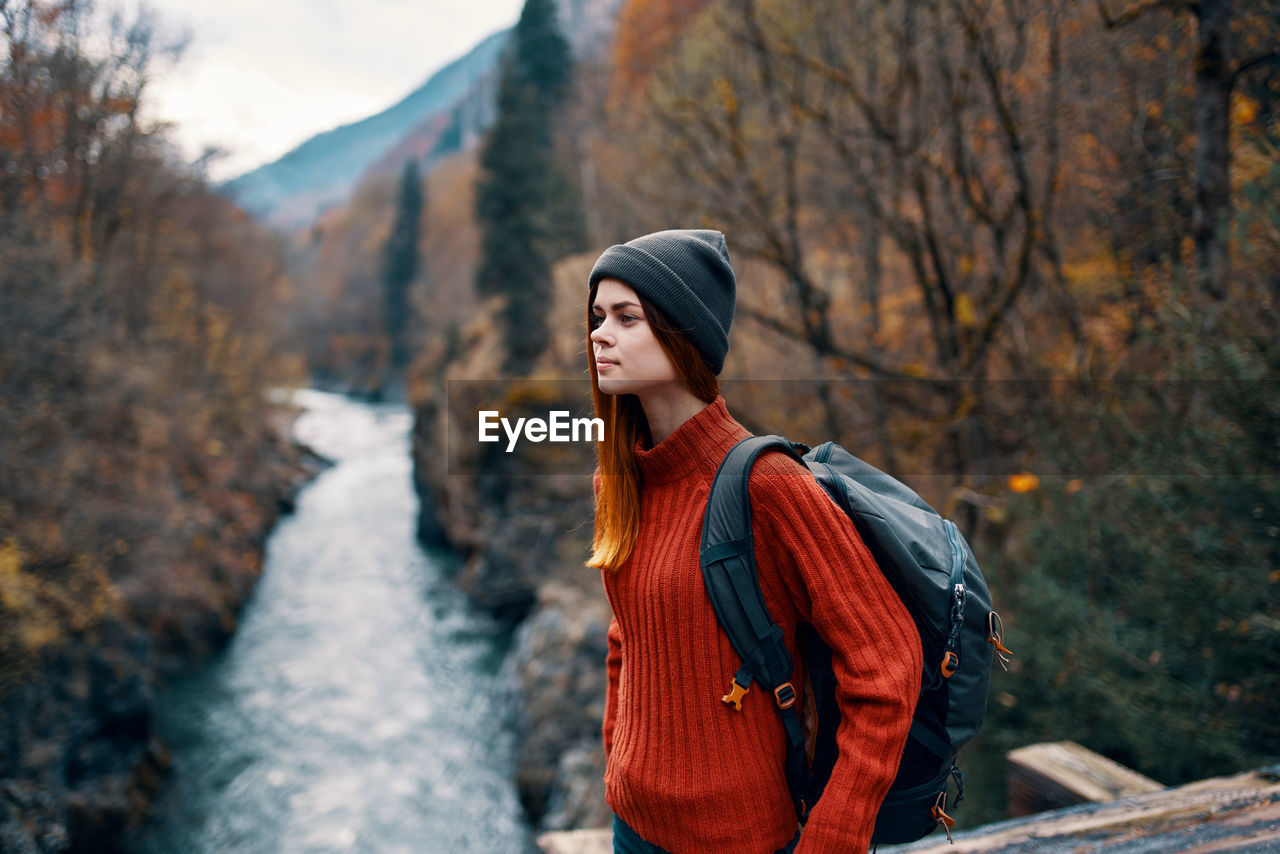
[[445, 113], [293, 190]]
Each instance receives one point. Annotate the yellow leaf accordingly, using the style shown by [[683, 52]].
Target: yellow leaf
[[724, 89], [1024, 482], [1243, 109], [965, 312]]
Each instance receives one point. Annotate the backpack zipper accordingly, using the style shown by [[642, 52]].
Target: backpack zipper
[[926, 788]]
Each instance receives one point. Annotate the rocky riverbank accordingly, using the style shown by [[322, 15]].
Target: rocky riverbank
[[522, 548], [79, 763], [521, 525]]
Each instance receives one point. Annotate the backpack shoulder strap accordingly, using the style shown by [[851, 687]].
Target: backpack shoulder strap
[[728, 565], [729, 569], [727, 561]]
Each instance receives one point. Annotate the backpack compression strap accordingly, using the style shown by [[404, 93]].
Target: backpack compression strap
[[729, 572]]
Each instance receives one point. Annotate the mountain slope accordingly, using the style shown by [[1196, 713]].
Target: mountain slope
[[293, 190]]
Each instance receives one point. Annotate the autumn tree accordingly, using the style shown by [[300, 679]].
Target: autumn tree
[[138, 339], [528, 208], [647, 31], [924, 132], [1230, 43]]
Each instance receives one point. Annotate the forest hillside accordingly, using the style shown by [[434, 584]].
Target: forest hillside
[[144, 459]]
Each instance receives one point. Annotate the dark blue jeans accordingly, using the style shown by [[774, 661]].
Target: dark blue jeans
[[627, 841]]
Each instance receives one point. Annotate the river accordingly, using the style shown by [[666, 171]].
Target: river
[[359, 706]]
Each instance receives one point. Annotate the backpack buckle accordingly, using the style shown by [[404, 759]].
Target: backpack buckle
[[950, 662], [735, 695], [785, 695]]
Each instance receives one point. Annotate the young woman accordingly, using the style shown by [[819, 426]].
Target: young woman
[[686, 772]]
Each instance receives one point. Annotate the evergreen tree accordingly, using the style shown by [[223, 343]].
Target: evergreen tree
[[541, 54], [400, 265], [527, 207]]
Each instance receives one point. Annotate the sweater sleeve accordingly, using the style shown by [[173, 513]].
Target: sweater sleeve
[[814, 548], [613, 664]]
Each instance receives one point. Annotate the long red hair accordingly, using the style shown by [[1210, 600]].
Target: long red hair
[[618, 489]]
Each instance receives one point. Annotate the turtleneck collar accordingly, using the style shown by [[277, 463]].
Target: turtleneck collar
[[697, 446]]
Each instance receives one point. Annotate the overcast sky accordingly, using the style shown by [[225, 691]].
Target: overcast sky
[[262, 76]]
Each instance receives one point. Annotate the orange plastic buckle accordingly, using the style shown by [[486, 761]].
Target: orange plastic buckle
[[950, 661], [735, 695], [785, 695], [995, 637], [939, 813]]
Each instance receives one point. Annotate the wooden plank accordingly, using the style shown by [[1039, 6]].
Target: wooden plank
[[1062, 774], [1237, 813]]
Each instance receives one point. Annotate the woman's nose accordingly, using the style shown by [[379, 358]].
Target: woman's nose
[[599, 335]]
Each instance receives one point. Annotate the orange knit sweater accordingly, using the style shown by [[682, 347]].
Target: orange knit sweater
[[685, 770]]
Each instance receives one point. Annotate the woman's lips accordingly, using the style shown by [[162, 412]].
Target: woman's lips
[[601, 364]]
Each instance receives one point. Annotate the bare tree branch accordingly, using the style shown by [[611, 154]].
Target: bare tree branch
[[1130, 15], [1247, 65], [1020, 272], [861, 360]]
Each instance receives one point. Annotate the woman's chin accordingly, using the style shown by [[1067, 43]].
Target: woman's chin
[[613, 386]]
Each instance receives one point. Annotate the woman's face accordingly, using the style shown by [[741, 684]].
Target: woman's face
[[629, 359]]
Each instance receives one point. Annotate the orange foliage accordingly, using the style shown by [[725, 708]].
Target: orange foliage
[[56, 115], [647, 32], [1023, 482], [139, 326]]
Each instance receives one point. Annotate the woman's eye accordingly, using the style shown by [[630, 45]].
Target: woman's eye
[[597, 320]]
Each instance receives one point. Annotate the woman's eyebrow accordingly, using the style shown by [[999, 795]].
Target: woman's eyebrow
[[618, 306]]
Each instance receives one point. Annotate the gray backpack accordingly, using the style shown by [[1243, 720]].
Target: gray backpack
[[932, 569]]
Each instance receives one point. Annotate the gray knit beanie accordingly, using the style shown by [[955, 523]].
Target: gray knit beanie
[[687, 275]]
